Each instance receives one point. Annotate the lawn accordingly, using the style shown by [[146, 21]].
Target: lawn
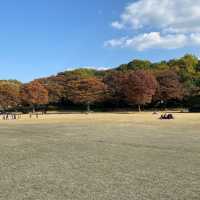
[[100, 157]]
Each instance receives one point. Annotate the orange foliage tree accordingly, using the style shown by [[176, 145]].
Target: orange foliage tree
[[86, 91], [34, 94], [56, 87], [9, 94]]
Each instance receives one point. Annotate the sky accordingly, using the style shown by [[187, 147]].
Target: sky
[[43, 37]]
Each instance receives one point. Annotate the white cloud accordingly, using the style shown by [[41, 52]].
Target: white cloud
[[162, 24], [116, 42], [117, 25], [102, 68], [195, 38], [169, 15], [155, 40]]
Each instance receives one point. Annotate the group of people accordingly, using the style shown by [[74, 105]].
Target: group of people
[[10, 116], [15, 116], [166, 116]]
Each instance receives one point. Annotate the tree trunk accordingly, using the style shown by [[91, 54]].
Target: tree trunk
[[139, 108], [33, 109], [88, 107]]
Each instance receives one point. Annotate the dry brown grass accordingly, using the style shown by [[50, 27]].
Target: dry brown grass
[[132, 117], [100, 156]]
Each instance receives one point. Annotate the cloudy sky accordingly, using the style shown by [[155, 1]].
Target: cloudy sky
[[42, 37], [158, 24]]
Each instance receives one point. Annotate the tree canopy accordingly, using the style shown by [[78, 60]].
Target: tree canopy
[[86, 91], [139, 82]]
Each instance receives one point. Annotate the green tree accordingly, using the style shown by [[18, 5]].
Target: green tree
[[135, 65]]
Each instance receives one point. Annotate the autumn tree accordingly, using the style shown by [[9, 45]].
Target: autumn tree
[[9, 94], [139, 87], [86, 91], [56, 92], [114, 81], [33, 94], [56, 87], [169, 86]]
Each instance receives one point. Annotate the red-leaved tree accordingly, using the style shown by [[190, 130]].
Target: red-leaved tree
[[139, 87], [169, 86], [114, 81]]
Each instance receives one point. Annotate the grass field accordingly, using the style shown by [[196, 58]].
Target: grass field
[[100, 157]]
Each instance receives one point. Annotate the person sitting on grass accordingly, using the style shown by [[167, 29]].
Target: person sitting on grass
[[162, 117], [170, 116], [166, 116]]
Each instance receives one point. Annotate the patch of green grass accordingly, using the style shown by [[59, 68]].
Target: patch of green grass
[[118, 160]]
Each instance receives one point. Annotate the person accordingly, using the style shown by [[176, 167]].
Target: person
[[166, 116], [170, 116], [162, 117]]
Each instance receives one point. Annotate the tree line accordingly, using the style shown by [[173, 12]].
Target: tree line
[[139, 83]]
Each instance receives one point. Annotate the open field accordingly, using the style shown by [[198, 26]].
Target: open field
[[100, 157]]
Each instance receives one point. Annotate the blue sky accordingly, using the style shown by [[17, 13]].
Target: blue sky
[[42, 37]]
